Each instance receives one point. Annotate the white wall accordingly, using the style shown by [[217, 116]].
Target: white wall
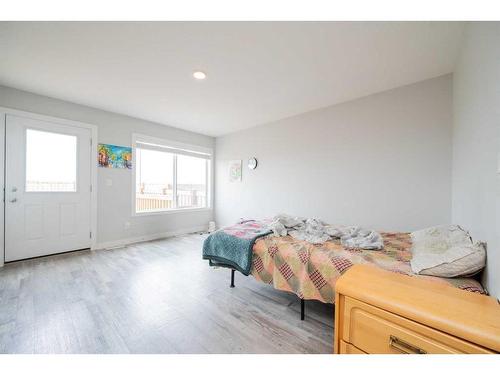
[[476, 142], [383, 161], [115, 202]]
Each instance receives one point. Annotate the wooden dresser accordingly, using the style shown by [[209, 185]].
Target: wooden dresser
[[388, 313]]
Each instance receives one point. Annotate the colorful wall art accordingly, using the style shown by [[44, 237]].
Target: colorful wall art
[[111, 156]]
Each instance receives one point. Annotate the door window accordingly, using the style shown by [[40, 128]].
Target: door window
[[50, 161]]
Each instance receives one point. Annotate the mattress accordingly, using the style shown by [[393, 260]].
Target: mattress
[[311, 271]]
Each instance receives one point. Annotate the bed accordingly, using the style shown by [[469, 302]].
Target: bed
[[311, 271]]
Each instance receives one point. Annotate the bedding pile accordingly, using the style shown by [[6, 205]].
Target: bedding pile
[[316, 232]]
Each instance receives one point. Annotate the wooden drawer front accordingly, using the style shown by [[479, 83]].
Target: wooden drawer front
[[346, 348], [377, 331]]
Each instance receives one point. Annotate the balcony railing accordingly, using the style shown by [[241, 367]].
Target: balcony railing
[[152, 197], [163, 199], [50, 186]]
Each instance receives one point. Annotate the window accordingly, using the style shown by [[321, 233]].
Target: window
[[191, 181], [50, 169], [154, 180], [170, 176]]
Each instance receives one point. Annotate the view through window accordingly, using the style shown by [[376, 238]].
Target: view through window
[[166, 180], [50, 169], [191, 181]]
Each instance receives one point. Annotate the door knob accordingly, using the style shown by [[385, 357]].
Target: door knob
[[13, 200]]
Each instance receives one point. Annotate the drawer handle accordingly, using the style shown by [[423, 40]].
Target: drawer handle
[[404, 347]]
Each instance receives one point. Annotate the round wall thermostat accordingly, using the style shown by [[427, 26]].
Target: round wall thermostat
[[252, 163]]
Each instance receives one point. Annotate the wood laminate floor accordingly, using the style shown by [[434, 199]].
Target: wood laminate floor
[[153, 297]]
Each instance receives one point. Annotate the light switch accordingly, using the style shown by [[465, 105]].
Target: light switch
[[109, 182]]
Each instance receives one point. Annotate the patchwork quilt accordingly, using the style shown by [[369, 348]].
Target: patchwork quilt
[[311, 271]]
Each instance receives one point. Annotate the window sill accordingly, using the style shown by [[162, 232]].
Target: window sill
[[172, 211]]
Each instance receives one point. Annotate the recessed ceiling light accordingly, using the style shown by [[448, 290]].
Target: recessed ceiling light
[[199, 75]]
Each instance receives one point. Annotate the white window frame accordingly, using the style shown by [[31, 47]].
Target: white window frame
[[176, 148]]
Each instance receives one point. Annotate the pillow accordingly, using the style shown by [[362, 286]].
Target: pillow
[[446, 251], [441, 236]]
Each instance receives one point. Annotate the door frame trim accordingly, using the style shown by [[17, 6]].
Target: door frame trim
[[4, 111]]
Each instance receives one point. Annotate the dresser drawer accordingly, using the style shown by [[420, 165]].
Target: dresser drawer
[[374, 330]]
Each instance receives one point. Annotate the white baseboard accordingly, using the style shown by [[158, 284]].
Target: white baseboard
[[150, 237]]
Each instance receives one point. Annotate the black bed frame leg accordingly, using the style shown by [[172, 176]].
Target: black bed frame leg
[[302, 309], [232, 279]]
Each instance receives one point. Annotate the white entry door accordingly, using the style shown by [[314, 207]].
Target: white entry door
[[47, 188]]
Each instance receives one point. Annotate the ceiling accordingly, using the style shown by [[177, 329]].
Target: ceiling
[[257, 72]]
